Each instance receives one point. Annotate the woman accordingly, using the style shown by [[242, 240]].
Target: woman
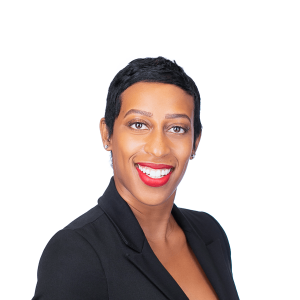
[[136, 244]]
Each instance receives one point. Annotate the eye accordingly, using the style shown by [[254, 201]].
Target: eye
[[177, 129], [138, 126]]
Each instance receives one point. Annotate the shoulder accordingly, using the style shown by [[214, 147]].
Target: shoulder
[[207, 227], [203, 222], [69, 242], [67, 260], [87, 218]]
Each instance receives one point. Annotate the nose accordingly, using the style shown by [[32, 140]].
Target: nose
[[157, 144]]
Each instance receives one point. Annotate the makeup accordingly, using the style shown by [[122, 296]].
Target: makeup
[[154, 175]]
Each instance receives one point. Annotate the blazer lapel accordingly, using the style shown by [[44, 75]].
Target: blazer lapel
[[121, 216], [202, 253], [210, 257], [151, 267], [228, 285]]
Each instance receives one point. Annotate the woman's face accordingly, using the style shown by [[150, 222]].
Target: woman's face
[[152, 142]]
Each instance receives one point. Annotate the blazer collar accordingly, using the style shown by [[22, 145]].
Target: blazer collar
[[122, 217], [120, 214]]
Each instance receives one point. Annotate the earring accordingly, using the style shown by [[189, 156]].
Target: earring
[[193, 156], [106, 146]]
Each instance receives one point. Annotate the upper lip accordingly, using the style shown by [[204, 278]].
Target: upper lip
[[155, 166]]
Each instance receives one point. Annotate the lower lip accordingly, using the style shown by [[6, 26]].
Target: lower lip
[[154, 182]]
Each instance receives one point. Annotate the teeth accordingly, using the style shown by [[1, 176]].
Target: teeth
[[154, 173]]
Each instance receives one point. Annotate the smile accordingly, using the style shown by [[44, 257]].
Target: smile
[[154, 175]]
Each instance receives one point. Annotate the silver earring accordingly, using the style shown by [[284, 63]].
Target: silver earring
[[106, 146], [193, 156]]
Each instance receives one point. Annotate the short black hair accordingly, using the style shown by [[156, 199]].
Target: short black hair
[[149, 69]]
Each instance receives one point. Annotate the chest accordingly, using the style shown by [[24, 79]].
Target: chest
[[185, 269]]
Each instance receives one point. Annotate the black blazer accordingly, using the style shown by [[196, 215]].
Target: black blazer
[[104, 255]]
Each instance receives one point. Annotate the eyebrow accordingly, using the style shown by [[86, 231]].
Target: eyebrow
[[140, 112], [174, 116], [149, 114]]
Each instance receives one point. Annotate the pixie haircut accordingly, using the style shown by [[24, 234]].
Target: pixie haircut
[[157, 69]]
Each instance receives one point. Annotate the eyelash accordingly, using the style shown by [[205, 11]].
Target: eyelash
[[135, 123], [180, 127]]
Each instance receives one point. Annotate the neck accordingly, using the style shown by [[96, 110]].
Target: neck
[[156, 221]]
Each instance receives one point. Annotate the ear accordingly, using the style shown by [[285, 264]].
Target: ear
[[105, 135], [196, 145]]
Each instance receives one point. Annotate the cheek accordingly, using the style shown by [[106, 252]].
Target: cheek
[[125, 146], [183, 153], [133, 141], [183, 149]]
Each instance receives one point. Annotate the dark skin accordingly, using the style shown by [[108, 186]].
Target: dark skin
[[155, 125]]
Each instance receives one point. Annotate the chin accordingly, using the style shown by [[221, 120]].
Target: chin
[[153, 196]]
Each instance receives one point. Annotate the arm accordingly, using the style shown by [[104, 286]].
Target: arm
[[70, 269]]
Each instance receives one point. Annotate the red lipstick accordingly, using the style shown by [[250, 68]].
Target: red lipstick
[[154, 182]]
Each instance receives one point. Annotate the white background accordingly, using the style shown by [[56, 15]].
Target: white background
[[56, 62]]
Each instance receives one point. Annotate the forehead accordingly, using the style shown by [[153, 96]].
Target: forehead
[[157, 98]]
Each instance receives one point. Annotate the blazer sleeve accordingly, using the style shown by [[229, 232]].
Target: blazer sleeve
[[70, 269]]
